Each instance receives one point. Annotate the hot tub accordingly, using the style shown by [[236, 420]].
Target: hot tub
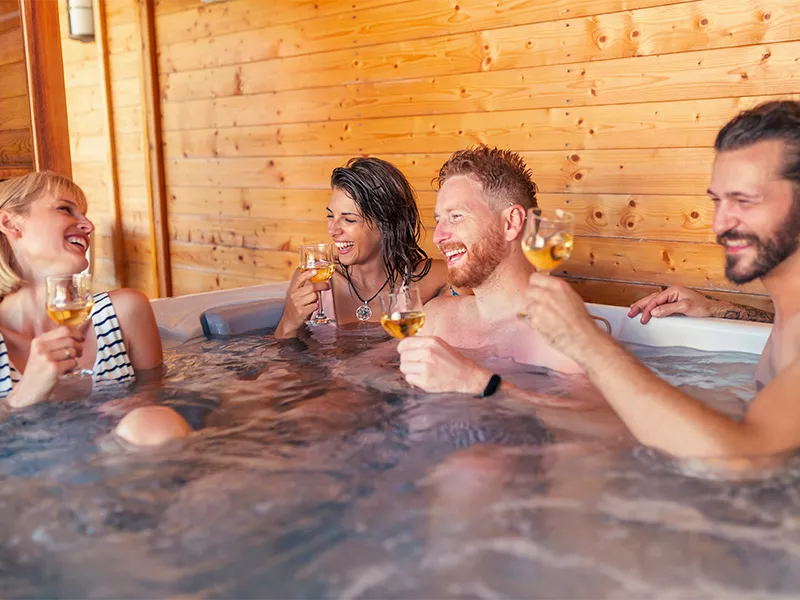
[[320, 474], [257, 307]]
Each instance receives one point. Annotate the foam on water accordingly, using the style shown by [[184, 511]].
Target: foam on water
[[318, 472]]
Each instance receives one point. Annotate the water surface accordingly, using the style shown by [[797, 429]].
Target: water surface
[[320, 473]]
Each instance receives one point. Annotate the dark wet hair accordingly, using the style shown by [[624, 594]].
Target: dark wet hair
[[777, 120], [386, 199], [503, 175]]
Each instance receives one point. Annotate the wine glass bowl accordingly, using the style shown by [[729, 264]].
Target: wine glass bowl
[[548, 239], [401, 312]]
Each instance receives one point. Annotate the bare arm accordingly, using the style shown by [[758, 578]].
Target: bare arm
[[139, 330], [740, 312], [658, 414], [679, 300], [662, 416]]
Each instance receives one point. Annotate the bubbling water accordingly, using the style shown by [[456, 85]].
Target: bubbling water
[[316, 471]]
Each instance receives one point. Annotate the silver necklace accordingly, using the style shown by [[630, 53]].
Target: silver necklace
[[363, 312]]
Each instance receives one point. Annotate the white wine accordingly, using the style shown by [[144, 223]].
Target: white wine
[[403, 325], [324, 271], [546, 254], [71, 315]]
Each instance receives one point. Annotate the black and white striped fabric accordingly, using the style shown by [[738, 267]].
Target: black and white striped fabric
[[111, 364]]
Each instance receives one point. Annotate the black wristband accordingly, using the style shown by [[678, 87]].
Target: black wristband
[[494, 384]]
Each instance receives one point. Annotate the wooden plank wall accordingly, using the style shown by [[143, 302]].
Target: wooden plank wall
[[89, 144], [614, 103], [16, 143]]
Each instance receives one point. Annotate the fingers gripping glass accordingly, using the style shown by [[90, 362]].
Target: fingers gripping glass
[[319, 257], [401, 312], [70, 302], [548, 240]]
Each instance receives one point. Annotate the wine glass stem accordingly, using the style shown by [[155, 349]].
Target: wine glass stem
[[320, 312]]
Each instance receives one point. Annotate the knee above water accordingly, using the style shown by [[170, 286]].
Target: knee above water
[[152, 426]]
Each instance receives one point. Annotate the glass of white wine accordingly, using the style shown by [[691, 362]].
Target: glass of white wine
[[70, 302], [321, 258], [401, 312], [548, 240]]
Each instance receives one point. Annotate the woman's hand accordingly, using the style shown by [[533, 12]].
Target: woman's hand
[[51, 355], [301, 302]]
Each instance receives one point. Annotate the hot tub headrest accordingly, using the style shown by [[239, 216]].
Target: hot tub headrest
[[234, 319]]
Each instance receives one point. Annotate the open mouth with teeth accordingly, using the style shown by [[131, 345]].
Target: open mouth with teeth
[[78, 242], [454, 254], [733, 246], [344, 247]]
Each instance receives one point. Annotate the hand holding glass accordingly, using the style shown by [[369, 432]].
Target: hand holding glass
[[70, 301], [401, 312], [547, 240], [319, 257]]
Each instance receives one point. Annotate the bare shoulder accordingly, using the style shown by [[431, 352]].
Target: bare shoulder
[[134, 313], [139, 327], [129, 302], [435, 280]]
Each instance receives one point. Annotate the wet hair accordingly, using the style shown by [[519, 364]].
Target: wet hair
[[386, 200], [777, 120], [503, 175], [16, 196]]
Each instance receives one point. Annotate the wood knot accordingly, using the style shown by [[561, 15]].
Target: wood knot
[[766, 56], [703, 22], [745, 76], [634, 33], [598, 215], [578, 176], [575, 158], [602, 39], [594, 92], [529, 44], [486, 46], [632, 203], [591, 132], [695, 215], [767, 16], [271, 163]]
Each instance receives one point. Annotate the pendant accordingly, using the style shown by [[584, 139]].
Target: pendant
[[363, 312]]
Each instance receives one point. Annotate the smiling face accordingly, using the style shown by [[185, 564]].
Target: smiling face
[[468, 232], [52, 237], [357, 240], [757, 217]]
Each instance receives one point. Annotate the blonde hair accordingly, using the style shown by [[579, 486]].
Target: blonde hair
[[16, 196]]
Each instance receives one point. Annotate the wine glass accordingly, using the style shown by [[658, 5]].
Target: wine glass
[[70, 302], [319, 257], [401, 312], [548, 240]]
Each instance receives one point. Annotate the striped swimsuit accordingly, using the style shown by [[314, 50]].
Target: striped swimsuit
[[111, 364]]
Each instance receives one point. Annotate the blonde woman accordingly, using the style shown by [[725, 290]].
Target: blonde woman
[[44, 231]]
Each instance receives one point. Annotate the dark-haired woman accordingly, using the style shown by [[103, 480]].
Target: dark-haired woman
[[374, 221]]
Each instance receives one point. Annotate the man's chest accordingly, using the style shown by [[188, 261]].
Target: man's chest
[[510, 338]]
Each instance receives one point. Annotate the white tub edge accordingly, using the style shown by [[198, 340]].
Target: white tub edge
[[179, 320]]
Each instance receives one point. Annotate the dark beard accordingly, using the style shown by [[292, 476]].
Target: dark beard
[[769, 252], [482, 259]]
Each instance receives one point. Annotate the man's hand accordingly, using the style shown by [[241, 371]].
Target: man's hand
[[431, 364], [677, 300], [557, 312]]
